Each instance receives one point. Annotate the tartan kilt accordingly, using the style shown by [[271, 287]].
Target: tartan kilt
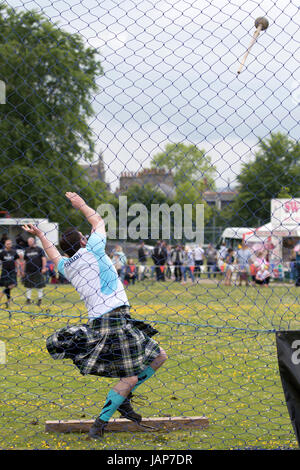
[[113, 345], [8, 278], [34, 280]]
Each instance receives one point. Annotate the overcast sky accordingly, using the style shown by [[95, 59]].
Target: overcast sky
[[170, 75]]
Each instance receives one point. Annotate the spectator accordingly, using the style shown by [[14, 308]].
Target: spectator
[[142, 259], [229, 261], [130, 272], [244, 256], [253, 270], [211, 255], [260, 263], [156, 259], [221, 255], [8, 279], [293, 271], [188, 265], [119, 261], [163, 259], [199, 259], [297, 264], [34, 268], [177, 260], [170, 267], [159, 257], [263, 273], [50, 272]]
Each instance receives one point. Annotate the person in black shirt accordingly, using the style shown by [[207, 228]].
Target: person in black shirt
[[8, 279], [177, 260], [142, 253], [156, 259], [35, 266], [159, 257], [142, 256], [163, 260], [229, 260]]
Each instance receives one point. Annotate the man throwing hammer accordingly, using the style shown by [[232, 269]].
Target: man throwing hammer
[[113, 344]]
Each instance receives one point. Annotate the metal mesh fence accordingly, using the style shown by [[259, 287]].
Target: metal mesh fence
[[138, 106]]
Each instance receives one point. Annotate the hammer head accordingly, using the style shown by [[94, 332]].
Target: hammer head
[[262, 22]]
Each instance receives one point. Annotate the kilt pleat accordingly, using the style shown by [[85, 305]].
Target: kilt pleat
[[34, 280], [8, 278], [113, 345]]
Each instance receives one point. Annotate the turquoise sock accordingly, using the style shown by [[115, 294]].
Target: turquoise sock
[[143, 376], [113, 401]]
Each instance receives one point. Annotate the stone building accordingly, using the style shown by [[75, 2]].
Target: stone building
[[219, 199], [159, 178]]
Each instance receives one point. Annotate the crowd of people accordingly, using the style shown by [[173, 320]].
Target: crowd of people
[[24, 259], [181, 262], [184, 263]]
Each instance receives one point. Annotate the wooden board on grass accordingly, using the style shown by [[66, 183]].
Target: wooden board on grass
[[123, 425]]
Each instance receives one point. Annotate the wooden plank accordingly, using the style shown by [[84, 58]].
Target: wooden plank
[[123, 425]]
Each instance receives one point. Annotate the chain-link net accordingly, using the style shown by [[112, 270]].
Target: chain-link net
[[138, 106]]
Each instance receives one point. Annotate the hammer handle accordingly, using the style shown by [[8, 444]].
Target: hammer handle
[[255, 36]]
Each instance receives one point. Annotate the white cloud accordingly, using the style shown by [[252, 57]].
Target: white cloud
[[112, 40], [170, 73]]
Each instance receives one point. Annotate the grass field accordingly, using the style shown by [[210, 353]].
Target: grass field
[[222, 364]]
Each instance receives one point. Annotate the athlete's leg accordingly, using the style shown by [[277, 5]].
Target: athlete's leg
[[40, 296], [116, 396], [152, 368], [126, 409]]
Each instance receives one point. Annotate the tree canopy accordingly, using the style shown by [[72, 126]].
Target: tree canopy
[[50, 77], [192, 170], [187, 163], [274, 173]]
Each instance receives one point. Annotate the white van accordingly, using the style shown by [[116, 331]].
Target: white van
[[233, 236]]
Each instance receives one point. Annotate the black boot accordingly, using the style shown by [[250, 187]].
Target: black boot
[[128, 412], [39, 302], [97, 429], [28, 301]]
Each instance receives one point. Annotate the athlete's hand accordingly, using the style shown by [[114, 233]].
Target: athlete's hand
[[76, 201], [33, 229]]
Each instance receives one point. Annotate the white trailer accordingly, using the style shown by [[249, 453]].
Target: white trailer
[[279, 236], [233, 236], [13, 227]]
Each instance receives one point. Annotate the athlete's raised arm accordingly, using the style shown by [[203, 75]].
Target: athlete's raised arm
[[91, 215], [48, 246]]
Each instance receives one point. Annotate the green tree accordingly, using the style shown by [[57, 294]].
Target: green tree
[[192, 170], [50, 77], [274, 172], [189, 164], [186, 162], [146, 195]]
